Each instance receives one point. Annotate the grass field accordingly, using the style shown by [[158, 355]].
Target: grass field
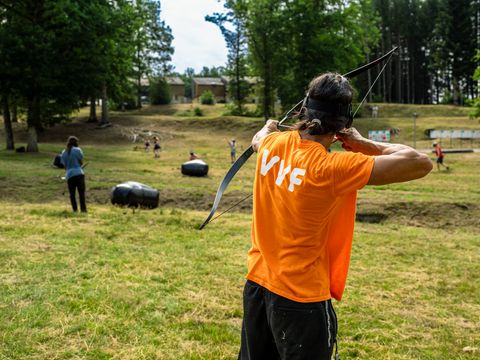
[[146, 284]]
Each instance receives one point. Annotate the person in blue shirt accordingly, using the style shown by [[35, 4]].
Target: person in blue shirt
[[72, 159]]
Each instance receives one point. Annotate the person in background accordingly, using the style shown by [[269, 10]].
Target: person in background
[[233, 150], [146, 145], [156, 147], [304, 203], [193, 156], [440, 156], [72, 159]]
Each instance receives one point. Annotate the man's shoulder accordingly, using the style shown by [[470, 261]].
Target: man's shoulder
[[349, 158]]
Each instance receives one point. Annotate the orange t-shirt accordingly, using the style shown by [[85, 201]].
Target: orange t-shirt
[[303, 217]]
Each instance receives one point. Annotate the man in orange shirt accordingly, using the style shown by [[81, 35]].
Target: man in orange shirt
[[303, 217]]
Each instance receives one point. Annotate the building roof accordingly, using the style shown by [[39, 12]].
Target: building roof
[[174, 80], [252, 80], [208, 81]]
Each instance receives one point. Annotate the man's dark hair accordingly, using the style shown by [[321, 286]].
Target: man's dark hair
[[327, 106]]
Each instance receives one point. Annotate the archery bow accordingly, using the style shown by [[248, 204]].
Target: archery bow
[[247, 153]]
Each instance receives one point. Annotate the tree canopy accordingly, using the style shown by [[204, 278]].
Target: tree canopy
[[55, 54]]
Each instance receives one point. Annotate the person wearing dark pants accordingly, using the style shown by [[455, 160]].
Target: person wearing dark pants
[[304, 203], [77, 183], [72, 159]]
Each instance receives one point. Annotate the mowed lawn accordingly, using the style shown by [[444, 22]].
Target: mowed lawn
[[147, 284]]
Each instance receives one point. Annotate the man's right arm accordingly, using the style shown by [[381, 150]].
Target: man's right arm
[[393, 162]]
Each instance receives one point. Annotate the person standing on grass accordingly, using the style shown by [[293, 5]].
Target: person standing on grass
[[440, 156], [233, 150], [304, 202], [72, 159], [146, 145], [156, 147]]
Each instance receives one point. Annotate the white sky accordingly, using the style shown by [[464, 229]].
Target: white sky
[[197, 43]]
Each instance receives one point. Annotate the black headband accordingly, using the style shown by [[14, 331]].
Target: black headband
[[337, 109]]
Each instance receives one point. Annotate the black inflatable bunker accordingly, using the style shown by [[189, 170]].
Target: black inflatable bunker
[[58, 161], [195, 168], [135, 194]]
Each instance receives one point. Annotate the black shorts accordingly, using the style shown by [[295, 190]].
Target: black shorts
[[440, 160], [278, 328]]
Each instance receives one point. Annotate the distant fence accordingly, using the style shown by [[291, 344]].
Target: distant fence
[[452, 134], [458, 139]]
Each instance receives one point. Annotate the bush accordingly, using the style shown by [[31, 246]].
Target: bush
[[207, 98], [197, 111], [160, 92], [475, 110]]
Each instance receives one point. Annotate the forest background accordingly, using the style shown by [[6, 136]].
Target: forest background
[[56, 56]]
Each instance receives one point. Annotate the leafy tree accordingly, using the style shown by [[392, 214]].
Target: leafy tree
[[476, 76], [187, 78], [160, 93], [235, 39], [153, 43], [214, 71], [265, 31], [324, 36]]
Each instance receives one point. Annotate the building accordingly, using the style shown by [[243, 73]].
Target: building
[[252, 82], [177, 88], [215, 85]]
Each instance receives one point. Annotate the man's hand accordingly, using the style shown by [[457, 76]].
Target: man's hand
[[393, 162], [351, 140], [269, 127]]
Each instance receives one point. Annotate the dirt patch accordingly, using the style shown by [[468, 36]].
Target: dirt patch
[[431, 214]]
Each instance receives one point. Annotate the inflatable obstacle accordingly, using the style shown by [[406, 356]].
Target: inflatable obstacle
[[195, 168], [57, 161], [135, 194]]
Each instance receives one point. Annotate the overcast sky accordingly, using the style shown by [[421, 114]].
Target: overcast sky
[[197, 43]]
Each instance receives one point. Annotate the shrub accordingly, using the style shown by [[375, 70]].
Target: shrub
[[160, 92], [207, 98], [197, 111]]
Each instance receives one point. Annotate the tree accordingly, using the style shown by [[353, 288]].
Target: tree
[[153, 43], [324, 36], [461, 43], [160, 93], [476, 76], [265, 32], [235, 39]]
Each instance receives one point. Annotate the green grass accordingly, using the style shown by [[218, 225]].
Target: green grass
[[118, 284]]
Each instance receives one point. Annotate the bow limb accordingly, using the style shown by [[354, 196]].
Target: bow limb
[[353, 73], [386, 57], [226, 180]]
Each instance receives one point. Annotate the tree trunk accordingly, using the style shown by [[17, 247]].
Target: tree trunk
[[32, 145], [369, 79], [139, 92], [93, 111], [8, 124], [105, 116], [33, 120], [456, 92], [14, 111]]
